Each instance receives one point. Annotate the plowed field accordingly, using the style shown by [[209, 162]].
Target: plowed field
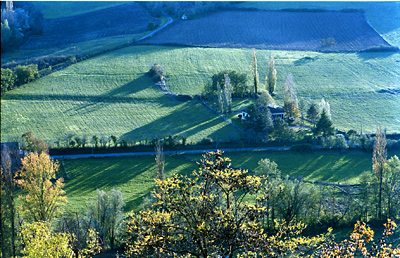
[[282, 30]]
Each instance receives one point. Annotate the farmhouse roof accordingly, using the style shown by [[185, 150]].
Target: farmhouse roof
[[276, 110]]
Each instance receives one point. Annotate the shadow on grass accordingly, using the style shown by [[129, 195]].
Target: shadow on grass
[[189, 119]]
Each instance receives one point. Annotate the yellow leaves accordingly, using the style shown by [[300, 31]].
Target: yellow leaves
[[41, 242], [42, 201]]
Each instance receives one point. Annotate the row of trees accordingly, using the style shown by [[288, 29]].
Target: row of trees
[[207, 214], [22, 74]]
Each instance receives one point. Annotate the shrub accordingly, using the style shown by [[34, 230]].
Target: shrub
[[157, 72], [206, 141], [7, 80], [335, 142], [25, 74], [305, 147]]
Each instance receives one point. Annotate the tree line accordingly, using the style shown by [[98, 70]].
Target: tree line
[[218, 210]]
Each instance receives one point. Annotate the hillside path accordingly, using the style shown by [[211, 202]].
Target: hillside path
[[170, 20]]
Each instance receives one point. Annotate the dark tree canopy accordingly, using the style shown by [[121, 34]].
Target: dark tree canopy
[[324, 125], [238, 81]]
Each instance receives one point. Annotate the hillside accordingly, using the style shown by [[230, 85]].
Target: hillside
[[111, 94], [281, 30], [130, 18]]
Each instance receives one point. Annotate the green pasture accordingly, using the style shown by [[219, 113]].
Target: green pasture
[[134, 176], [107, 95], [112, 95], [382, 15], [63, 9]]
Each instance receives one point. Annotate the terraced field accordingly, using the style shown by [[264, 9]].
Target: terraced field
[[281, 30], [111, 95]]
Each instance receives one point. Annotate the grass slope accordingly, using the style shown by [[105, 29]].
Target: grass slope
[[274, 30], [134, 176], [111, 94], [124, 19], [106, 95]]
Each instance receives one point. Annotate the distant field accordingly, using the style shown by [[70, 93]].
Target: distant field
[[111, 94], [106, 95], [134, 176], [124, 19], [62, 9], [281, 30], [382, 15]]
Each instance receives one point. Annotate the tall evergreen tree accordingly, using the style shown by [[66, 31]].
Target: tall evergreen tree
[[324, 125], [312, 113]]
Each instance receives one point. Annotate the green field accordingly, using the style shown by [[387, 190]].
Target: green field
[[107, 95], [134, 176], [111, 94]]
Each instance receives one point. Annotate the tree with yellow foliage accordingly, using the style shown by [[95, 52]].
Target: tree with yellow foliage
[[362, 244], [42, 201], [210, 214]]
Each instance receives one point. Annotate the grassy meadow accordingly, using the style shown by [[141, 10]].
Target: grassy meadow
[[107, 95], [112, 95], [134, 176]]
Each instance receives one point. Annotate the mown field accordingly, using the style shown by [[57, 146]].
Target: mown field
[[134, 176], [382, 15], [281, 30], [111, 95]]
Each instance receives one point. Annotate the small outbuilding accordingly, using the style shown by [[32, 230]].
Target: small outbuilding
[[184, 17]]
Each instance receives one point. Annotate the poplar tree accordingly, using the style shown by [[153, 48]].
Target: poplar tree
[[290, 98], [228, 93], [378, 163], [254, 72], [271, 79]]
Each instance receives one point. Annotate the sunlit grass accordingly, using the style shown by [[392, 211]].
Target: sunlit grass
[[134, 176]]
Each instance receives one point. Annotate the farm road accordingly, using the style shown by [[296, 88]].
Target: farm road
[[167, 152], [170, 20]]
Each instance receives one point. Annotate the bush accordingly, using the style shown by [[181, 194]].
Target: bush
[[7, 80], [305, 147], [25, 74], [335, 142], [206, 141], [157, 72], [151, 25]]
